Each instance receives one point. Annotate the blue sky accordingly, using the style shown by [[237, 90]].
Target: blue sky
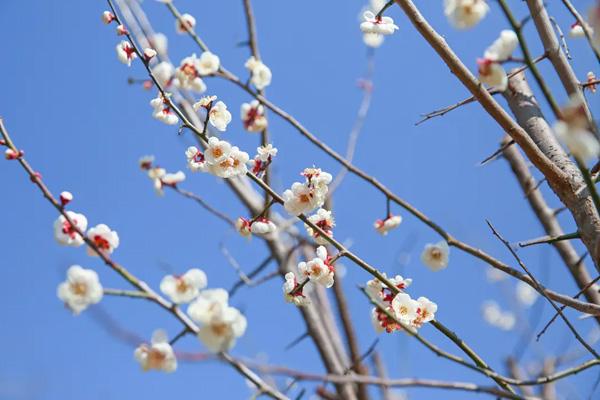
[[67, 103]]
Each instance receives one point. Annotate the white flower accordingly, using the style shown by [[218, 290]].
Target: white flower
[[378, 25], [159, 355], [162, 111], [253, 116], [121, 30], [426, 312], [243, 227], [64, 232], [373, 39], [435, 256], [494, 316], [65, 198], [186, 22], [233, 165], [503, 47], [188, 75], [219, 116], [300, 199], [184, 288], [405, 308], [159, 42], [574, 130], [105, 239], [576, 31], [107, 17], [376, 289], [209, 63], [195, 159], [217, 151], [221, 324], [149, 53], [293, 295], [318, 269], [126, 53], [81, 289], [464, 14], [221, 333], [266, 153], [167, 179], [526, 294], [163, 72], [386, 225], [204, 102], [260, 73], [324, 220], [492, 74], [263, 226]]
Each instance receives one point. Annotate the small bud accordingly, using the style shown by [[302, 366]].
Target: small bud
[[149, 53], [108, 17], [11, 154], [65, 198], [2, 142], [36, 177], [591, 77], [122, 31]]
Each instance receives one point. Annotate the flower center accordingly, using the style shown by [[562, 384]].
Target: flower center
[[79, 288], [101, 242]]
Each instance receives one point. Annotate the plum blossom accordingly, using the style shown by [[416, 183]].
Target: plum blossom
[[526, 294], [208, 63], [376, 289], [81, 289], [158, 355], [405, 308], [253, 116], [184, 288], [305, 197], [168, 179], [262, 226], [145, 162], [149, 53], [185, 23], [11, 154], [383, 226], [260, 74], [577, 31], [188, 75], [221, 324], [319, 269], [464, 14], [232, 165], [425, 313], [378, 25], [105, 239], [591, 78], [292, 292], [491, 71], [324, 220], [219, 116], [108, 17], [573, 129], [122, 30], [163, 111], [195, 159], [495, 316], [243, 226], [263, 158], [205, 102], [217, 150], [65, 198], [373, 39], [435, 256], [163, 73], [126, 52], [159, 42], [65, 233]]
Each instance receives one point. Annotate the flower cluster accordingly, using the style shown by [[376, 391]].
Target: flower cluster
[[257, 226], [159, 176], [324, 220], [162, 110], [260, 74], [464, 14], [81, 289], [221, 324], [573, 129], [383, 226], [406, 311], [66, 233], [435, 256], [264, 157], [305, 197], [253, 116], [220, 159], [320, 269], [491, 71]]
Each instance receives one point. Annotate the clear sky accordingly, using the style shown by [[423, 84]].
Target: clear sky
[[66, 101]]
